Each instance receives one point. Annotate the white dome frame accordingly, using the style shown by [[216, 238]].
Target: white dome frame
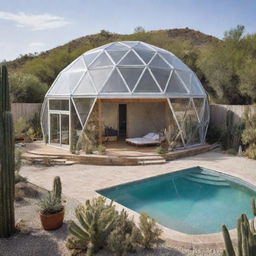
[[127, 70]]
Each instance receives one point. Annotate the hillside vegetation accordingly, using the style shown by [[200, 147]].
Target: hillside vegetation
[[226, 68]]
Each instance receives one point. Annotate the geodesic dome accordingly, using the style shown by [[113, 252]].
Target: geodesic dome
[[125, 70]]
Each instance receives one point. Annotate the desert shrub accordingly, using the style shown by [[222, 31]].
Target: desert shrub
[[20, 127], [35, 124], [96, 221], [101, 149], [19, 194], [125, 236], [150, 232], [26, 88], [249, 134], [161, 150]]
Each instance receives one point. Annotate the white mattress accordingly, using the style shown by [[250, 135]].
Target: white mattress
[[142, 141]]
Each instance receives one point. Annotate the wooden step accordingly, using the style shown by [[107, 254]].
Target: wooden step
[[151, 162]]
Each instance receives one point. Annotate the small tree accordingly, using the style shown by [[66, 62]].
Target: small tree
[[139, 29]]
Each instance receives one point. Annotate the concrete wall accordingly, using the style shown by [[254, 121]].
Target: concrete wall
[[110, 114], [218, 113], [143, 118], [25, 110]]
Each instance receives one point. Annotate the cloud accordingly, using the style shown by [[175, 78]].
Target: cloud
[[35, 22]]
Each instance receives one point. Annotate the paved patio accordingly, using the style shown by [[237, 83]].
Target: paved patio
[[81, 181]]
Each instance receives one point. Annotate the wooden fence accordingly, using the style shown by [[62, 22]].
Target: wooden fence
[[219, 112], [25, 110]]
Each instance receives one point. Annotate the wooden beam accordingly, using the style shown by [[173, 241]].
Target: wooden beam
[[124, 101], [100, 121]]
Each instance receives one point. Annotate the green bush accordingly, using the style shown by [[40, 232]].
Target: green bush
[[20, 127], [35, 124], [150, 232], [161, 150], [101, 149], [124, 238], [249, 134], [27, 88]]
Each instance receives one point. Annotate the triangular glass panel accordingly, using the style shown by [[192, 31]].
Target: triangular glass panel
[[158, 62], [90, 57], [168, 57], [83, 107], [99, 76], [116, 55], [185, 76], [195, 87], [74, 78], [180, 106], [85, 86], [147, 83], [114, 84], [145, 55], [175, 85], [142, 47], [131, 75], [101, 61], [161, 76], [117, 47], [129, 43], [130, 59], [199, 104], [65, 83], [77, 65], [178, 64], [44, 119], [76, 124]]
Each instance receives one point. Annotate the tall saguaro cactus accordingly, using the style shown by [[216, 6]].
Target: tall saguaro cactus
[[7, 163]]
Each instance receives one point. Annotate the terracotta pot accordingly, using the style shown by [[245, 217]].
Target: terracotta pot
[[53, 221]]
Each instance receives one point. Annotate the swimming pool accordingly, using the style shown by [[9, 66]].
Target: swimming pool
[[193, 201]]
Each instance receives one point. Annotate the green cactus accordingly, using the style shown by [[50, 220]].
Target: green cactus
[[57, 188], [7, 162], [246, 237], [254, 206], [96, 221]]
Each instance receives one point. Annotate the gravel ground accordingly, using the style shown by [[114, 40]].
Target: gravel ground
[[34, 241]]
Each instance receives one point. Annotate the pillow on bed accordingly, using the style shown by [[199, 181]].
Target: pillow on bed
[[149, 135], [155, 137]]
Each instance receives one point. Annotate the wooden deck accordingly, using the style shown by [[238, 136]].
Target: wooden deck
[[117, 153]]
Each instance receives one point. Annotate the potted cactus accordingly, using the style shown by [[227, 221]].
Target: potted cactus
[[52, 209]]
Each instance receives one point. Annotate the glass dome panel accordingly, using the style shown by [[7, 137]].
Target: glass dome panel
[[130, 59], [114, 84], [85, 86], [147, 83], [131, 75], [99, 76]]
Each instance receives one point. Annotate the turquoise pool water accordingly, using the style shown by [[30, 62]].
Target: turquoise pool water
[[192, 201]]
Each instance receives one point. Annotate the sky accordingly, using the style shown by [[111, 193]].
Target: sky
[[28, 26]]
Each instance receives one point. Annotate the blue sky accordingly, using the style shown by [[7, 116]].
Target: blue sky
[[37, 25]]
